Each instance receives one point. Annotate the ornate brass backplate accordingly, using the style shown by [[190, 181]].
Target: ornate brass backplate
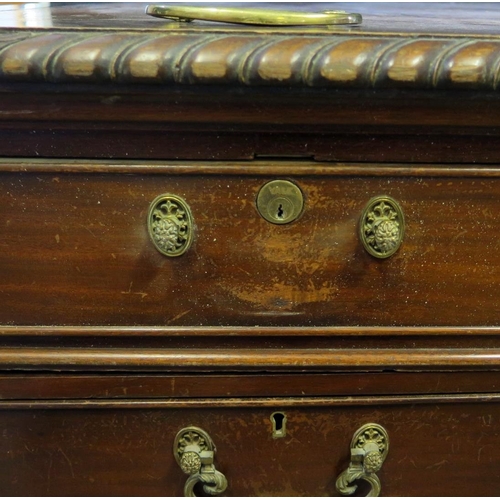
[[194, 451], [369, 449], [382, 227], [170, 225], [280, 202]]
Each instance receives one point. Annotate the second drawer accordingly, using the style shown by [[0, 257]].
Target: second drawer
[[439, 446]]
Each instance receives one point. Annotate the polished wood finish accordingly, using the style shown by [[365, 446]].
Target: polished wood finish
[[248, 360], [108, 348]]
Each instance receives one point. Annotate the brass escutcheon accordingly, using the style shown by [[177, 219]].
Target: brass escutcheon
[[382, 227], [170, 225], [280, 202]]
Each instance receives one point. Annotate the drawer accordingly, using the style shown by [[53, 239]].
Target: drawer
[[75, 248], [438, 446]]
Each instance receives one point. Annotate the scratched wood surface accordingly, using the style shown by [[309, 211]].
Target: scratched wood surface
[[76, 251], [107, 348], [447, 449]]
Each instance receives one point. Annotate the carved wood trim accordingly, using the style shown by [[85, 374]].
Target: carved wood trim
[[342, 61]]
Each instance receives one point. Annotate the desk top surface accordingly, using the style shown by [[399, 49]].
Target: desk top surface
[[438, 18]]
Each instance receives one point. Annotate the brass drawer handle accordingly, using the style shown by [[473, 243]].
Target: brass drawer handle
[[264, 17], [369, 448], [194, 451], [170, 225]]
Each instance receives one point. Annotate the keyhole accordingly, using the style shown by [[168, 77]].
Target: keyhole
[[278, 420], [281, 213]]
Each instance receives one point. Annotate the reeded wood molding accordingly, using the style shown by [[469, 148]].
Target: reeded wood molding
[[348, 61], [187, 360]]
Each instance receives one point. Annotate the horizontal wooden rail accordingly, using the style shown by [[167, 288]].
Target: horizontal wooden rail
[[293, 403], [94, 359], [244, 331], [262, 166]]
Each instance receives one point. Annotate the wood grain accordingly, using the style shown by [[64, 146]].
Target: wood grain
[[128, 451], [108, 348], [22, 386], [75, 251]]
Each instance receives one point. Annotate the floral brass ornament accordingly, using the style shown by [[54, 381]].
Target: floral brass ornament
[[194, 451], [382, 227], [170, 225], [369, 448]]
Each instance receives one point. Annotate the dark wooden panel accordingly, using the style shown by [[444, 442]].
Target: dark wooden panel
[[435, 450], [254, 109], [137, 144], [227, 124], [51, 386], [75, 250]]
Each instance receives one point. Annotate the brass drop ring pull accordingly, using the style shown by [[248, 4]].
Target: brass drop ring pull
[[369, 448], [194, 451], [264, 17]]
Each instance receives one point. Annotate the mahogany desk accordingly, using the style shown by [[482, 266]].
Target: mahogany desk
[[152, 280]]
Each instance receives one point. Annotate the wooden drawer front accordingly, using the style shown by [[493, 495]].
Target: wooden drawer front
[[75, 250], [448, 449]]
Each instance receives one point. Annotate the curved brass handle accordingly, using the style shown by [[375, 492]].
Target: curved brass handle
[[252, 16], [194, 451], [369, 448]]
